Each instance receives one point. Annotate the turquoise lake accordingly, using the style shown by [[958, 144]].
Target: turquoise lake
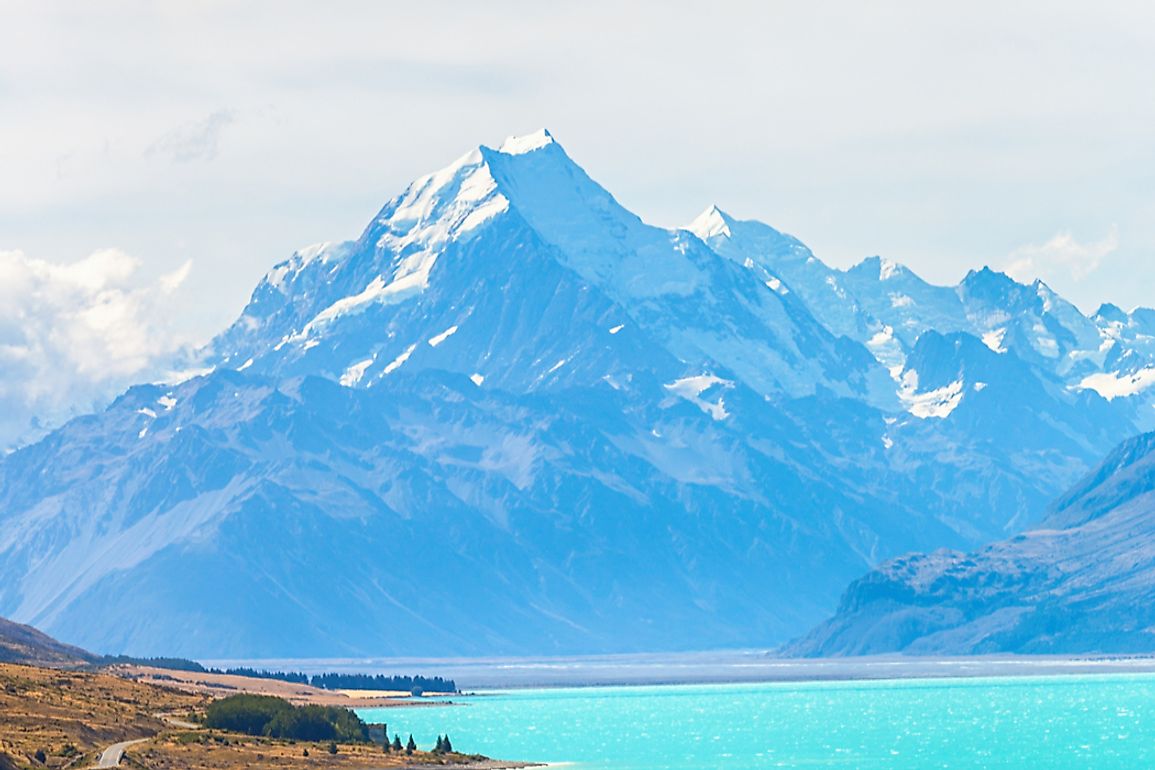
[[1104, 721]]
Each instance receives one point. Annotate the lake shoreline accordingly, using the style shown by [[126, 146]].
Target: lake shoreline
[[1106, 722], [725, 667]]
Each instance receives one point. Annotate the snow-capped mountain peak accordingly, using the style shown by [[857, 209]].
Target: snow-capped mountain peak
[[711, 223], [519, 145]]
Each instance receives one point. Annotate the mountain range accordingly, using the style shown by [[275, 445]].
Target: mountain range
[[511, 417]]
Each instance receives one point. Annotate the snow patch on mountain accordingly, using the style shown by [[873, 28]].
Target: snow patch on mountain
[[519, 145], [439, 338], [994, 339], [1111, 386], [937, 403], [396, 363], [692, 388], [325, 253], [888, 269], [887, 349], [710, 223], [352, 375]]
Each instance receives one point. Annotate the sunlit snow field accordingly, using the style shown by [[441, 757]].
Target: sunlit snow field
[[1097, 721]]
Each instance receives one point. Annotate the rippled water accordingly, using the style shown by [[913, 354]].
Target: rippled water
[[1025, 722]]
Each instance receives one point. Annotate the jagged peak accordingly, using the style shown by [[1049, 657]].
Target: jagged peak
[[469, 182], [884, 268], [714, 223], [986, 274], [711, 223], [989, 282], [1109, 311], [520, 145]]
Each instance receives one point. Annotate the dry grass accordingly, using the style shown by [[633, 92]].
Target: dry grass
[[72, 716], [69, 714], [201, 750]]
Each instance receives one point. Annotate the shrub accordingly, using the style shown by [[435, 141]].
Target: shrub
[[249, 714], [266, 715]]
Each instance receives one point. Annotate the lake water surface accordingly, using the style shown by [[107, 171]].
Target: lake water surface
[[1095, 721]]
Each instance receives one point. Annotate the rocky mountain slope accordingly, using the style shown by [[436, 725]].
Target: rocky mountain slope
[[1082, 581], [511, 417]]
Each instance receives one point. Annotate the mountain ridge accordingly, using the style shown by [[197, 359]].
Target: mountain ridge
[[1079, 583], [510, 392], [25, 645]]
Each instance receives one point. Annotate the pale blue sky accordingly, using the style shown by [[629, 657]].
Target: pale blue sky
[[945, 136]]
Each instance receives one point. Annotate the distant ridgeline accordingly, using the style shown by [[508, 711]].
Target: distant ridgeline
[[329, 681]]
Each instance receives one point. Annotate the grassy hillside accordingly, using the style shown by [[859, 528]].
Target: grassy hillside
[[70, 715], [63, 719], [24, 644]]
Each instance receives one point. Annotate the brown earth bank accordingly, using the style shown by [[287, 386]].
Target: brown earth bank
[[64, 719]]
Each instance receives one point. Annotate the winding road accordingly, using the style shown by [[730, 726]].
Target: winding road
[[111, 756]]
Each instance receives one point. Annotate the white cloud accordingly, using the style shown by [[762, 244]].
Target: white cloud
[[73, 335], [1062, 257], [195, 140]]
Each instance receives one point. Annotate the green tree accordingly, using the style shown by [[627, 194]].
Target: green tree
[[411, 746], [247, 714], [446, 746], [437, 749], [277, 718], [332, 748], [397, 742]]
